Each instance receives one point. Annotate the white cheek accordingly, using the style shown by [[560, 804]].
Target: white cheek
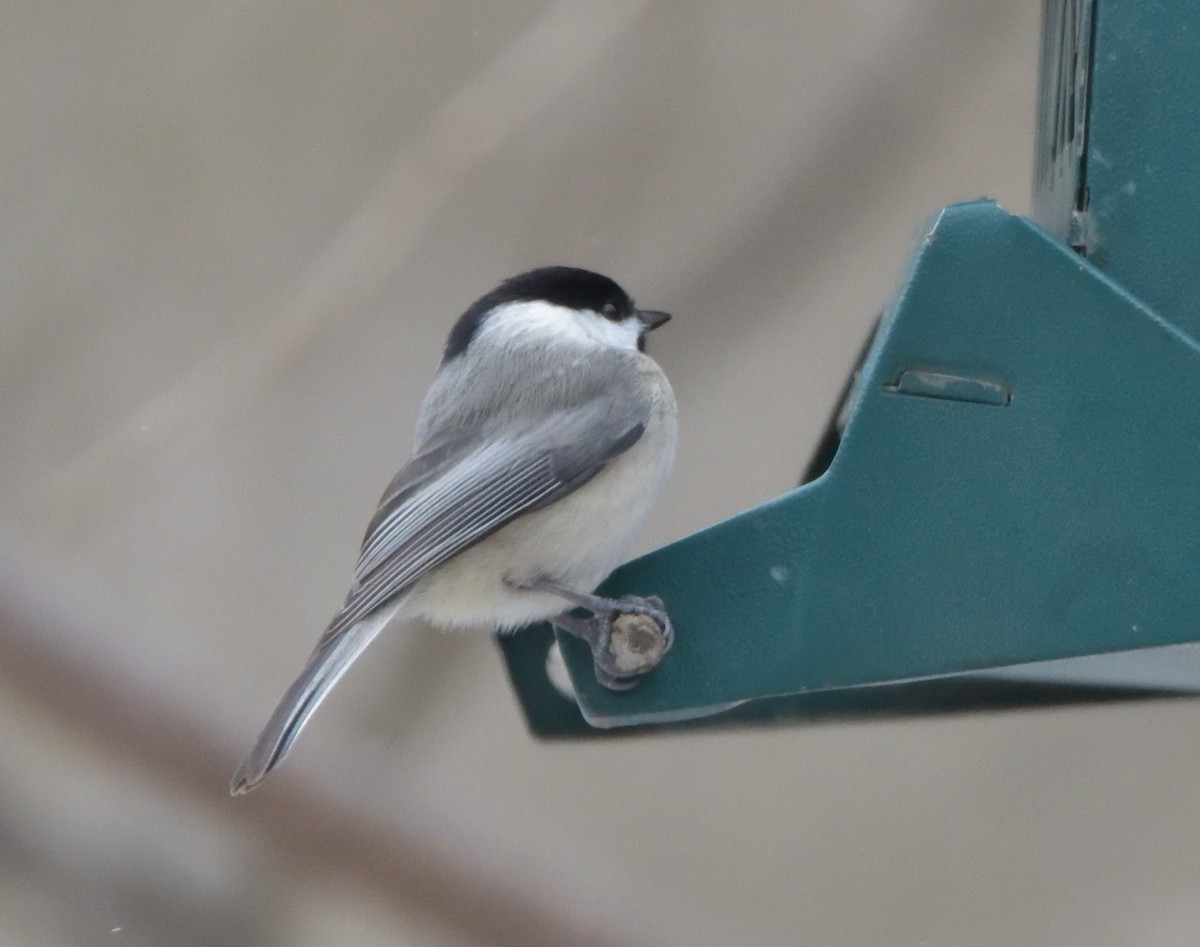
[[545, 321], [617, 335]]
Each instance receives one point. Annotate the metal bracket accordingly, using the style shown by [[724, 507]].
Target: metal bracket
[[1016, 487]]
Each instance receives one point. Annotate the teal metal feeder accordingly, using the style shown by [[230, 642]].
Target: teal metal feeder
[[1006, 507]]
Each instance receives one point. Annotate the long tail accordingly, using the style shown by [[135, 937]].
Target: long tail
[[325, 666]]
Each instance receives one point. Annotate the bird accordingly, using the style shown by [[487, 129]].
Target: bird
[[542, 445]]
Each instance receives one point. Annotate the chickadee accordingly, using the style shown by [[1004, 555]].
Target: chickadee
[[542, 445]]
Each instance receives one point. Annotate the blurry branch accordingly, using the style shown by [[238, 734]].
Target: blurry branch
[[460, 136], [73, 671]]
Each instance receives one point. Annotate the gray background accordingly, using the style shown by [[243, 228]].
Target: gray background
[[232, 237]]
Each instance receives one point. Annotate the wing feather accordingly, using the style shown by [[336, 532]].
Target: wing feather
[[469, 491]]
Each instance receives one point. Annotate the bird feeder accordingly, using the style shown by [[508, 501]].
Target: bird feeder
[[1005, 509]]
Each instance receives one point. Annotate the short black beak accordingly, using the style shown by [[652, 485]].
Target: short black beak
[[652, 319]]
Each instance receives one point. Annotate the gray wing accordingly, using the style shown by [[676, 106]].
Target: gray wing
[[460, 492]]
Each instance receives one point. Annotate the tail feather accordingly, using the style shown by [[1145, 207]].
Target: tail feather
[[325, 667]]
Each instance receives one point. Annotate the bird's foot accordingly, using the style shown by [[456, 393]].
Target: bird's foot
[[628, 638]]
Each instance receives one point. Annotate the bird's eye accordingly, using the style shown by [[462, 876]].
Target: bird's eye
[[609, 310]]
